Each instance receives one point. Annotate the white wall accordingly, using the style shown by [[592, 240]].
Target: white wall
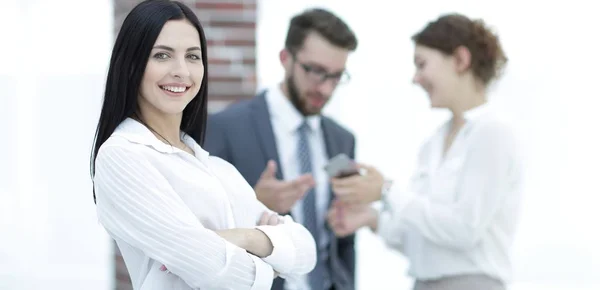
[[54, 59], [548, 90]]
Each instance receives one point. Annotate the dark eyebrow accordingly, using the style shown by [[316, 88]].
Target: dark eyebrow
[[171, 49], [321, 67], [194, 48]]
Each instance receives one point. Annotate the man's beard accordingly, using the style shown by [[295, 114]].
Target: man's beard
[[297, 101]]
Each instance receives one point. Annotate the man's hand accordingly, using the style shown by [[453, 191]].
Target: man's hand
[[346, 219], [360, 188], [279, 195]]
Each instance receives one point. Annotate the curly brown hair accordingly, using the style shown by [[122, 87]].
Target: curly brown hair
[[451, 31]]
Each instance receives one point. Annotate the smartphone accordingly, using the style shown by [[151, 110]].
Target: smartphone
[[341, 166]]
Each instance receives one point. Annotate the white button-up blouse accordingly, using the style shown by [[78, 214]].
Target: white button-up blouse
[[162, 206]]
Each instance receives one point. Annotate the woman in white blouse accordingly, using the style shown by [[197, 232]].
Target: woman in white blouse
[[457, 220], [163, 199]]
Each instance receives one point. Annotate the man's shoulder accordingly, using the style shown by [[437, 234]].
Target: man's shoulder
[[233, 111], [336, 127]]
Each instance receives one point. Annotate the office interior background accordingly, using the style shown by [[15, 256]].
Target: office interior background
[[55, 56]]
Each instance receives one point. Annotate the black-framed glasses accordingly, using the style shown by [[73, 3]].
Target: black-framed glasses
[[319, 75]]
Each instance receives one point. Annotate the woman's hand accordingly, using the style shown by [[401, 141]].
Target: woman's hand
[[253, 241], [268, 219], [346, 219], [361, 188]]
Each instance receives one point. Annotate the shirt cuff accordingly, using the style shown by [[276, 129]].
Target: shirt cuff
[[397, 199], [284, 254], [264, 274], [383, 223], [390, 221]]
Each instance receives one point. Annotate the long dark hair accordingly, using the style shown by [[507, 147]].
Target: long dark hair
[[128, 63]]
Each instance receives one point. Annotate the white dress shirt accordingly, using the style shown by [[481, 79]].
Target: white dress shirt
[[460, 213], [162, 206], [286, 120]]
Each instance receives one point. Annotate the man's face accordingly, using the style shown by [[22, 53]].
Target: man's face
[[313, 73]]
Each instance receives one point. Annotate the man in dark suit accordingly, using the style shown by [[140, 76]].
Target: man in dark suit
[[280, 142]]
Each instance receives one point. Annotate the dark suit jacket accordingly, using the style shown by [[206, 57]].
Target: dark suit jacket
[[242, 135]]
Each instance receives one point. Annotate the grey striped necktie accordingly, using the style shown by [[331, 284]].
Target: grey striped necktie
[[316, 277]]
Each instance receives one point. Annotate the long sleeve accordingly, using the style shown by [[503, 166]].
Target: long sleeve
[[294, 248], [389, 230], [483, 185], [136, 204]]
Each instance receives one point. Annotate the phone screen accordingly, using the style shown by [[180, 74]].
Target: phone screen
[[341, 166]]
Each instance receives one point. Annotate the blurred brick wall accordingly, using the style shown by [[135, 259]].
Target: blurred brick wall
[[230, 28]]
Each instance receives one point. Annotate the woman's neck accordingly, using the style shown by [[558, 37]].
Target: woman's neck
[[165, 128], [468, 100]]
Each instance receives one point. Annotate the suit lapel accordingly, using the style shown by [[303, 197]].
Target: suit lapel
[[332, 145], [264, 130]]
